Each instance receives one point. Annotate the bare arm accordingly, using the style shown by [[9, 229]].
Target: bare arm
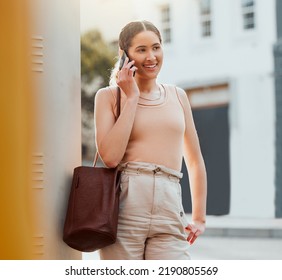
[[112, 137], [197, 171]]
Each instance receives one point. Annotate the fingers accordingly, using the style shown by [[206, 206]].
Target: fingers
[[127, 70], [132, 70], [193, 233], [128, 65], [192, 237]]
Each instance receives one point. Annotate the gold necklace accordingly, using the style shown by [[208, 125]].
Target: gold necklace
[[148, 99]]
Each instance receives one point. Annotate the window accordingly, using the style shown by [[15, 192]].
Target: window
[[165, 24], [248, 14], [205, 18]]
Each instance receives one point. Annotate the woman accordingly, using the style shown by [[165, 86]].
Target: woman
[[148, 141]]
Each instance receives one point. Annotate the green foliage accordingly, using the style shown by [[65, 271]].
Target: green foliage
[[97, 58]]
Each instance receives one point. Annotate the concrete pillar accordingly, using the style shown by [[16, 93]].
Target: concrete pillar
[[55, 57]]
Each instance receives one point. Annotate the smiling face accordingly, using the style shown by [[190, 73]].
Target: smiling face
[[146, 50]]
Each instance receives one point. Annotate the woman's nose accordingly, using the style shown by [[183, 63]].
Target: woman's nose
[[151, 55]]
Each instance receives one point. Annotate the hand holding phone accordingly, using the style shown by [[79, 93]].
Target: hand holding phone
[[125, 78], [122, 60]]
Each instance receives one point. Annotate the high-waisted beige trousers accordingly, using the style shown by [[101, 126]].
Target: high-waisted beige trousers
[[151, 217]]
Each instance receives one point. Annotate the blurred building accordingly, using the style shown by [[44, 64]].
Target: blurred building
[[221, 53]]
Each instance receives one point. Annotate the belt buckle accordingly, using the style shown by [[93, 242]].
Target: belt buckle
[[156, 170]]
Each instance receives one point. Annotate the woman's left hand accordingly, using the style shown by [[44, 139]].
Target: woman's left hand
[[194, 229]]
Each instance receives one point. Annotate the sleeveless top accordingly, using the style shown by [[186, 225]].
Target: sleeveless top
[[157, 135]]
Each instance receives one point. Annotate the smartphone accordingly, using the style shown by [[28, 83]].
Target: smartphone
[[123, 57]]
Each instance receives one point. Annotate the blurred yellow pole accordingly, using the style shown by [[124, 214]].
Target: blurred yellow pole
[[16, 114]]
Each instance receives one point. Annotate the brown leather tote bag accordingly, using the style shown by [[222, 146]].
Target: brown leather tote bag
[[92, 213]]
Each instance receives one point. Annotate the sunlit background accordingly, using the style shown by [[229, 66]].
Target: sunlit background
[[226, 55], [221, 53]]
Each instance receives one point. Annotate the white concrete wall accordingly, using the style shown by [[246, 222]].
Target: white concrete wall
[[245, 59]]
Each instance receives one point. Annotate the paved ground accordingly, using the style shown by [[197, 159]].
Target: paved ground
[[228, 238], [226, 248]]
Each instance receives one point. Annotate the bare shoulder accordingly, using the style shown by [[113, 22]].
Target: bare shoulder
[[104, 93], [106, 96]]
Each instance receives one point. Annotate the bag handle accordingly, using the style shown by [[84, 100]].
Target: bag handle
[[118, 114]]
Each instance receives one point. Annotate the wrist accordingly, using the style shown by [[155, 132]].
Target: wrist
[[133, 98], [202, 221]]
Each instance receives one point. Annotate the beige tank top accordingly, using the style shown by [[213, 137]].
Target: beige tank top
[[157, 135]]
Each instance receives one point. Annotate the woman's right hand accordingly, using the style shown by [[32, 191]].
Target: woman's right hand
[[126, 81]]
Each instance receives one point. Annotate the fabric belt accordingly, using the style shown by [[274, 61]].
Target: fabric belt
[[144, 167]]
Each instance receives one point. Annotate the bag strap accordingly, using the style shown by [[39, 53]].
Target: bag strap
[[118, 114], [118, 102]]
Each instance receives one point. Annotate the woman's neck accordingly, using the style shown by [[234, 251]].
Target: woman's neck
[[147, 86]]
